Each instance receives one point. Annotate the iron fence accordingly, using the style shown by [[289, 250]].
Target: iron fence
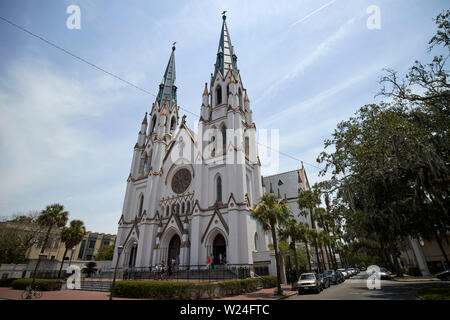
[[197, 273]]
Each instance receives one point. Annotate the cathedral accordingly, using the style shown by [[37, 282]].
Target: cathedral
[[188, 195]]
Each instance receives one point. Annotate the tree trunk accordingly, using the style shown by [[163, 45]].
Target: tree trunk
[[296, 262], [307, 255], [439, 241], [398, 267], [62, 262], [275, 246], [388, 260], [323, 258], [313, 225], [329, 259], [333, 257], [36, 268]]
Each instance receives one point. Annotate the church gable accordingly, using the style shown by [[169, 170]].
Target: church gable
[[216, 217]]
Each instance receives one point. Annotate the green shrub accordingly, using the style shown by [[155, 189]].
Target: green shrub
[[413, 271], [41, 284], [269, 281], [6, 282], [187, 290], [154, 289]]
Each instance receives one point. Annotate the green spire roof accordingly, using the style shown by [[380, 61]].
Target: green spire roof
[[167, 88], [226, 59]]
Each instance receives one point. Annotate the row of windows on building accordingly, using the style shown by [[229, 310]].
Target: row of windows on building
[[185, 206]]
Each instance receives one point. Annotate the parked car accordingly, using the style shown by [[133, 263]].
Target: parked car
[[324, 280], [385, 274], [345, 273], [309, 282], [340, 276], [335, 278], [444, 275]]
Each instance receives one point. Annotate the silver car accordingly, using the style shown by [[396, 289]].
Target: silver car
[[385, 274], [309, 282]]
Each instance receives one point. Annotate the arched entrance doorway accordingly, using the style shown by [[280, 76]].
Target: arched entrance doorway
[[174, 250], [132, 257], [219, 249]]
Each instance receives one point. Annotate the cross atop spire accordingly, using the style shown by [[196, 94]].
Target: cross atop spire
[[167, 89], [226, 59]]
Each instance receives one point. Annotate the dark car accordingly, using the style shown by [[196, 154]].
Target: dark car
[[444, 275], [340, 276], [333, 276], [324, 280]]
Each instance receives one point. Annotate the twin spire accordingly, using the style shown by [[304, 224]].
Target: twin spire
[[226, 60], [167, 88]]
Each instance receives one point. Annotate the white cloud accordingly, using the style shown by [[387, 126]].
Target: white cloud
[[323, 48], [49, 148]]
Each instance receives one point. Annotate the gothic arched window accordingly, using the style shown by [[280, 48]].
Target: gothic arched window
[[167, 211], [219, 189], [224, 138], [256, 241], [173, 123], [141, 204], [188, 207], [218, 95], [182, 208], [153, 124], [240, 97], [247, 146]]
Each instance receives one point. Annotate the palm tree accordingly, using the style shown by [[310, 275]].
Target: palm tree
[[303, 229], [270, 212], [290, 230], [90, 268], [71, 236], [53, 216], [308, 200]]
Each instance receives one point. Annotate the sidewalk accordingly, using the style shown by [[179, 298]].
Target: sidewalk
[[11, 294], [407, 278], [263, 294]]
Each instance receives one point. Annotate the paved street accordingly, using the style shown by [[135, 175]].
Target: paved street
[[355, 289]]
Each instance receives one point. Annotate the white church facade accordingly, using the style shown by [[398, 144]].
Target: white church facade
[[188, 195]]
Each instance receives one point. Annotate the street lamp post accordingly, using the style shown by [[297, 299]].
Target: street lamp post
[[71, 255], [119, 252]]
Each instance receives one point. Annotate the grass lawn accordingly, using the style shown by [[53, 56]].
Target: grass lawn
[[435, 293]]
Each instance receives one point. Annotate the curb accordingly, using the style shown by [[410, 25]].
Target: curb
[[416, 280]]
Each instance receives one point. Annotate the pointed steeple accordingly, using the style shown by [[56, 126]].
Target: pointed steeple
[[226, 59], [167, 89], [145, 119]]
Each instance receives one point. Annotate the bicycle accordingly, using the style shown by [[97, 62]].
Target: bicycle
[[30, 293]]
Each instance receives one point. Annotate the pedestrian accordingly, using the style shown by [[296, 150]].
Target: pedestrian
[[156, 272], [208, 262], [220, 258], [212, 262], [163, 271]]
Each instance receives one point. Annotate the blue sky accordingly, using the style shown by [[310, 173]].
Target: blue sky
[[67, 131]]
